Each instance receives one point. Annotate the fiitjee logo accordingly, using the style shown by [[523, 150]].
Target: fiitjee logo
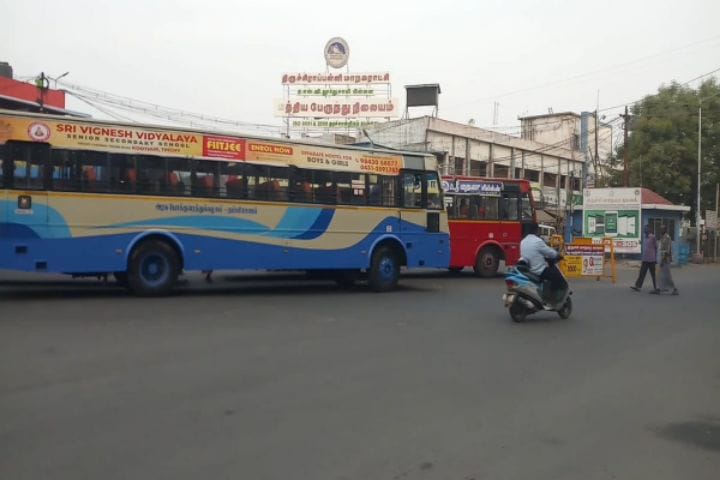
[[223, 147], [39, 131]]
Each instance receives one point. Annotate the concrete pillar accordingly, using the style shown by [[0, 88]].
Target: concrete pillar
[[557, 182], [522, 164], [452, 154], [466, 164], [511, 170], [490, 164]]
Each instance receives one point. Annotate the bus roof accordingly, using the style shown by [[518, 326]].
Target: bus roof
[[226, 133], [486, 179]]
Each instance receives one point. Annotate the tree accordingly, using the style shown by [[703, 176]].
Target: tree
[[663, 143]]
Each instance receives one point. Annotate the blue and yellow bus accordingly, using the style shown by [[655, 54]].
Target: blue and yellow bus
[[146, 203]]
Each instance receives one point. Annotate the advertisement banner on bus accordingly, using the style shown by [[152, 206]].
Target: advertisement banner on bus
[[303, 156], [93, 136], [142, 140]]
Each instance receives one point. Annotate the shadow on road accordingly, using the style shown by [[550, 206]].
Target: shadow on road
[[700, 433], [245, 285]]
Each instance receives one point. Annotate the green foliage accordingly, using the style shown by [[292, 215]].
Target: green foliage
[[663, 143]]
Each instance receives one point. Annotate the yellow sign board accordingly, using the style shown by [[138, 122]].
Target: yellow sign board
[[73, 134]]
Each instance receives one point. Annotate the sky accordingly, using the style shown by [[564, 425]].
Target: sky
[[226, 58]]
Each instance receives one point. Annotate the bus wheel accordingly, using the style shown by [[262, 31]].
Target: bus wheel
[[487, 262], [153, 269], [384, 270]]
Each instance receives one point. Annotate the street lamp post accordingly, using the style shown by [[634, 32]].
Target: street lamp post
[[699, 169], [58, 78]]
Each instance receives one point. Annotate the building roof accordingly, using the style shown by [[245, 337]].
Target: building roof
[[425, 85], [546, 115], [648, 196], [653, 201], [472, 132]]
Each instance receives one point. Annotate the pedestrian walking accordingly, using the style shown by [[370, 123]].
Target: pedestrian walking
[[649, 260], [666, 280]]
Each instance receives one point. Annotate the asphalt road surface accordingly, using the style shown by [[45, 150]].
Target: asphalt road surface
[[281, 378]]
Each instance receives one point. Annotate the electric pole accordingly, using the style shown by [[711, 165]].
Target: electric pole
[[626, 167], [698, 252], [595, 156]]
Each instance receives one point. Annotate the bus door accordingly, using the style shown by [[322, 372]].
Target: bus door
[[26, 198], [420, 214], [510, 225], [527, 213]]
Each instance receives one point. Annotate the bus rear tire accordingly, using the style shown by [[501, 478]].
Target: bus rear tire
[[487, 262], [384, 270], [153, 268]]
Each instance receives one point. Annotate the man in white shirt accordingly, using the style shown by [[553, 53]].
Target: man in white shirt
[[536, 252]]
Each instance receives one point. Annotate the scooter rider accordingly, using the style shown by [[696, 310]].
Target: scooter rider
[[535, 251]]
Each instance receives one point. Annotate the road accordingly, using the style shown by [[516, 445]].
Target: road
[[255, 378]]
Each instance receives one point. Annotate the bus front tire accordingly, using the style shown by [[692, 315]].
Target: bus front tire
[[384, 270], [487, 262], [153, 269]]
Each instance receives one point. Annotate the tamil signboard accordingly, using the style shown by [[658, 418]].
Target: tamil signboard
[[585, 259], [613, 213], [335, 101], [336, 108], [489, 189]]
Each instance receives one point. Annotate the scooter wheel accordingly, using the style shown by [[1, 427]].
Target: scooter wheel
[[517, 312], [566, 309]]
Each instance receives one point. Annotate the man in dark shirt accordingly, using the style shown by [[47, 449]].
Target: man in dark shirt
[[649, 259]]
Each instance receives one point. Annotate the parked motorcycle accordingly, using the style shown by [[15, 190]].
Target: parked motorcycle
[[527, 293]]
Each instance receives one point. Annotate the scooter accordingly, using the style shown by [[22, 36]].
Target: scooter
[[527, 293]]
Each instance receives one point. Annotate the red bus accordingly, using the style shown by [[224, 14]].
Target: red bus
[[487, 218]]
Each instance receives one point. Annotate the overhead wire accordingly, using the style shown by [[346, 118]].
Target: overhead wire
[[162, 112], [594, 72]]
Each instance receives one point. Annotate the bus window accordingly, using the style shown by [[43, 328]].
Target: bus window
[[325, 188], [374, 190], [94, 172], [123, 173], [526, 210], [179, 177], [302, 186], [509, 209], [434, 200], [272, 183], [203, 178], [233, 182], [389, 192], [24, 166], [351, 188], [490, 208], [462, 208], [412, 190], [65, 170], [151, 175], [6, 165]]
